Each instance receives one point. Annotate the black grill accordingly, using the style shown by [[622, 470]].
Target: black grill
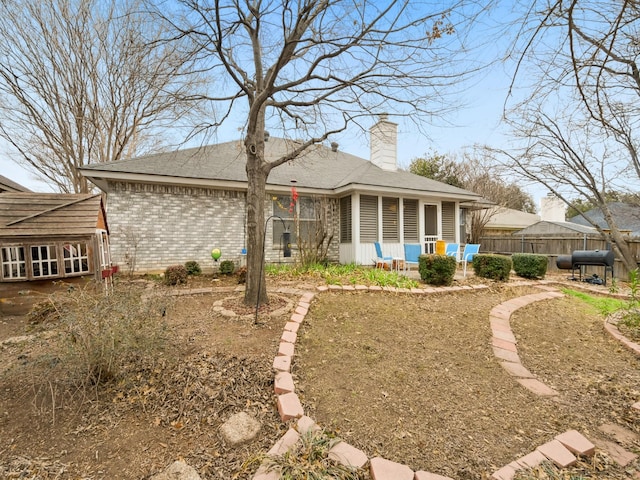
[[583, 258]]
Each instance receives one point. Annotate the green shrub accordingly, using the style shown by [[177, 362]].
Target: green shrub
[[175, 275], [437, 269], [227, 267], [193, 268], [495, 267], [529, 265]]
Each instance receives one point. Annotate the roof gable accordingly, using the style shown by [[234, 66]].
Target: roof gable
[[545, 227], [50, 214], [319, 168]]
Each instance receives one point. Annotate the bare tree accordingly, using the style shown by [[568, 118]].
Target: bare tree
[[477, 171], [84, 81], [310, 68], [580, 123]]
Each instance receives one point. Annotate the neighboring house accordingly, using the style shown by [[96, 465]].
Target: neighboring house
[[173, 207], [7, 185], [46, 236], [626, 216], [505, 221]]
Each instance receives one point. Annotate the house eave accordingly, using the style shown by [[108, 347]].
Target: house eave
[[102, 179]]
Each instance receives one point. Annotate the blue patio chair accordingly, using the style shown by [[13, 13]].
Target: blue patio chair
[[382, 260], [470, 249], [411, 254], [453, 250]]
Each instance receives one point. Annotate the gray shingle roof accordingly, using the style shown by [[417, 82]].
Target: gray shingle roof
[[626, 216], [319, 168]]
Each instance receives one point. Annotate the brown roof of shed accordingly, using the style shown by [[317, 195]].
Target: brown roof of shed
[[50, 214]]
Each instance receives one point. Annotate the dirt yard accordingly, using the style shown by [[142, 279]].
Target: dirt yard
[[411, 378]]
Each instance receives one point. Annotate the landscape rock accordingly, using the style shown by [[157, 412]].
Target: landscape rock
[[178, 470], [240, 428]]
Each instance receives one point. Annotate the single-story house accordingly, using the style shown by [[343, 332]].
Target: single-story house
[[170, 208], [626, 216], [505, 221], [45, 236]]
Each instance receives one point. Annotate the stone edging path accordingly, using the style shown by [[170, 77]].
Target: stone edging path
[[561, 450]]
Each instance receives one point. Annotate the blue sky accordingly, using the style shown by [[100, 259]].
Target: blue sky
[[476, 122]]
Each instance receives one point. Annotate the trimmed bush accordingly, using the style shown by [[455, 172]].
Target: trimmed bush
[[227, 267], [529, 265], [175, 275], [193, 268], [437, 269], [494, 267]]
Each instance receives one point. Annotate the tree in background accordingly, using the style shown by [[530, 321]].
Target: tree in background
[[579, 126], [85, 81], [437, 167], [309, 69], [477, 172]]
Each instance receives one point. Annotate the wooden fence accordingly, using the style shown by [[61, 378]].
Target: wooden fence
[[555, 245]]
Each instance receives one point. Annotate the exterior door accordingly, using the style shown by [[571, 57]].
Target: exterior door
[[430, 228]]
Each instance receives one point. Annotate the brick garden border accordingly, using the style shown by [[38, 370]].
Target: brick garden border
[[562, 450]]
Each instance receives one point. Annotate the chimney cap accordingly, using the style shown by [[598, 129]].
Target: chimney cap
[[266, 136], [334, 146]]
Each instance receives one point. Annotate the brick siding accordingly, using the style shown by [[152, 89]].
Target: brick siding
[[176, 224]]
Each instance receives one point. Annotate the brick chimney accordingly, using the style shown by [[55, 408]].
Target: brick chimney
[[384, 143]]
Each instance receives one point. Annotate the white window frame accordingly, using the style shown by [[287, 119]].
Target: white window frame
[[76, 258], [50, 261], [12, 264]]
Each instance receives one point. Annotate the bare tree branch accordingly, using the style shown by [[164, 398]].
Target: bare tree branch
[[85, 82]]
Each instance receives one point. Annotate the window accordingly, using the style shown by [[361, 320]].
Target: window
[[449, 221], [345, 220], [43, 261], [390, 215], [13, 262], [76, 259], [368, 219], [299, 218], [410, 221]]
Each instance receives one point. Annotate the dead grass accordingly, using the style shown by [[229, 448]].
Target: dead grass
[[411, 378]]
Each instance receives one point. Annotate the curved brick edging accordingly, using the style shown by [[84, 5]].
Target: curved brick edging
[[560, 450], [504, 342], [290, 407], [615, 333]]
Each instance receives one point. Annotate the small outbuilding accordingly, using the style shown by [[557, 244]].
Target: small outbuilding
[[46, 236]]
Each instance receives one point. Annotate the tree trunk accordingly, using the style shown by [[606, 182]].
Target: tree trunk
[[256, 288], [619, 242]]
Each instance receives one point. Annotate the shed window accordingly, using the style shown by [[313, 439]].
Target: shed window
[[13, 262], [44, 261], [76, 259]]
